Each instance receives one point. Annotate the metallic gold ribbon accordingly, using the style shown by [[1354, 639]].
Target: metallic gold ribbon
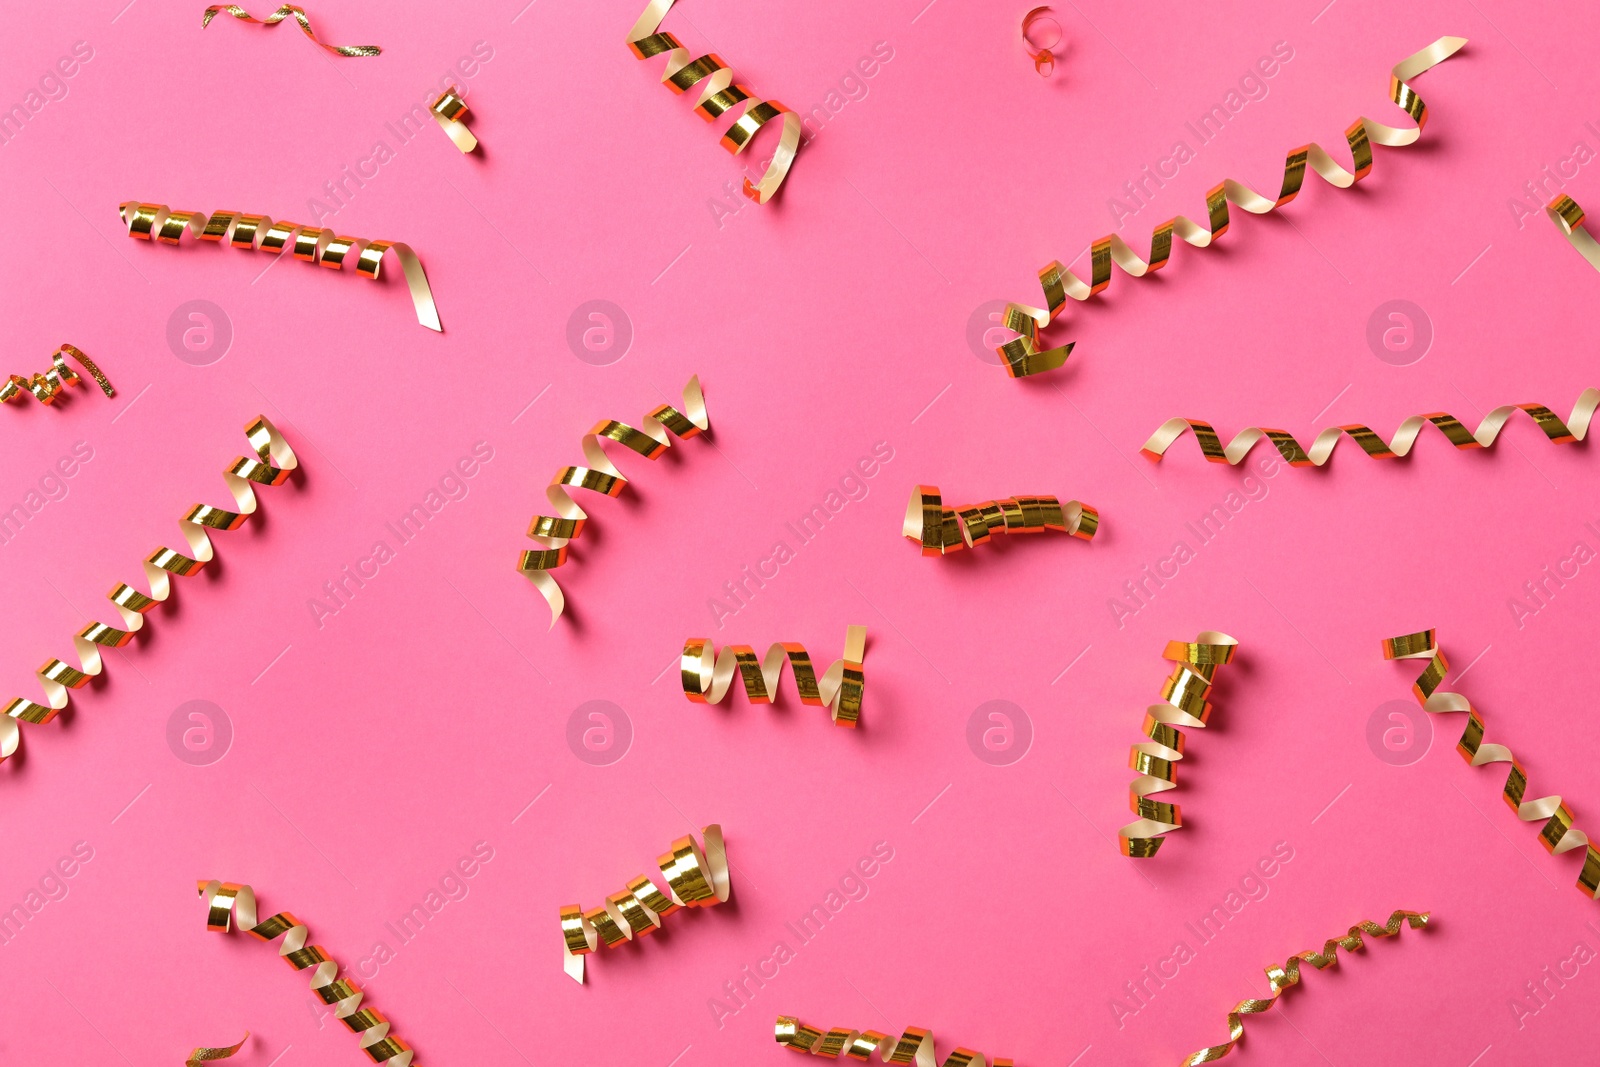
[[1281, 978], [241, 475], [941, 530], [278, 16], [155, 222], [708, 677], [229, 902], [1562, 433], [555, 532], [206, 1053], [1568, 217], [1023, 355], [1044, 60], [1156, 760], [47, 386], [720, 95], [1558, 834], [915, 1046], [450, 111], [697, 877]]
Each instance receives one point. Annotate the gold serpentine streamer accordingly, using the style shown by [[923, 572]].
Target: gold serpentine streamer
[[207, 1053], [450, 111], [1023, 355], [942, 530], [708, 676], [915, 1046], [230, 902], [278, 16], [1575, 428], [46, 387], [697, 877], [1568, 217], [314, 244], [1558, 834], [1281, 978], [1156, 760], [555, 532], [720, 95], [57, 677]]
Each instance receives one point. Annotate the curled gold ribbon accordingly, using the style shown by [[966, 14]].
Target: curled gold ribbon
[[47, 387], [1156, 760], [708, 676], [697, 877], [1575, 428], [719, 96], [314, 244], [450, 111], [1568, 217], [1558, 834], [941, 530], [278, 16], [207, 1053], [230, 902], [1023, 355], [241, 475], [915, 1046], [1044, 60], [555, 532], [1281, 978]]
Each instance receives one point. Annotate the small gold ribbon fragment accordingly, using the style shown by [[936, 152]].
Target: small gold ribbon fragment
[[697, 877], [1044, 60], [941, 530], [707, 677], [450, 111], [314, 244], [915, 1046], [1281, 978], [1568, 217], [278, 16], [1558, 834], [47, 387], [1156, 760], [230, 902], [1023, 356], [720, 96], [206, 1053]]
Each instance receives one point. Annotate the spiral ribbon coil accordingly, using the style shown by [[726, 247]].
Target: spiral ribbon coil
[[1568, 217], [47, 386], [288, 11], [942, 530], [708, 676], [914, 1047]]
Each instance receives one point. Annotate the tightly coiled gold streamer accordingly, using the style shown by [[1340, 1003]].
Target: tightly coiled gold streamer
[[1558, 834], [696, 878], [1568, 217], [1044, 59], [57, 677], [278, 16], [555, 532], [1281, 978], [227, 902], [707, 676], [207, 1053], [720, 95], [914, 1047], [1156, 760], [1562, 433], [155, 222], [1023, 355], [941, 530], [47, 387], [450, 112]]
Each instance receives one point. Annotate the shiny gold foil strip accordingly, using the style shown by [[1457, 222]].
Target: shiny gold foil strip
[[314, 244], [1568, 217], [942, 530], [1558, 834], [228, 903], [450, 111], [708, 676], [1281, 978], [1184, 705], [47, 386], [697, 877], [915, 1046], [720, 96], [274, 460], [287, 11], [1044, 60], [206, 1053], [1024, 355], [554, 532]]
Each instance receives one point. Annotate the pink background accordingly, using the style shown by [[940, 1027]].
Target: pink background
[[371, 752]]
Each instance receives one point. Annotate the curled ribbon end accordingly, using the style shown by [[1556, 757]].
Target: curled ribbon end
[[204, 1053]]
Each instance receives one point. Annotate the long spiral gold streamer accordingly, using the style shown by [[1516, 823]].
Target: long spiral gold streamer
[[942, 530], [1568, 217], [719, 96], [229, 902], [1575, 428], [554, 532], [46, 387], [915, 1046], [1281, 978], [286, 11], [708, 676], [274, 460], [1023, 355], [1558, 834], [1156, 760], [207, 1053], [697, 877], [314, 244]]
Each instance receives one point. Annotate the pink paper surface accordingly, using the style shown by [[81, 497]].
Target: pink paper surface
[[374, 747]]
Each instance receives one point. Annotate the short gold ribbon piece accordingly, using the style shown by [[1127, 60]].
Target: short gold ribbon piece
[[228, 903], [286, 11], [46, 387], [1558, 834], [915, 1046], [720, 96], [708, 676], [273, 462], [942, 530], [1184, 694], [1568, 217], [450, 111], [697, 877], [314, 244], [1024, 356], [1044, 59], [206, 1053], [1281, 978]]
